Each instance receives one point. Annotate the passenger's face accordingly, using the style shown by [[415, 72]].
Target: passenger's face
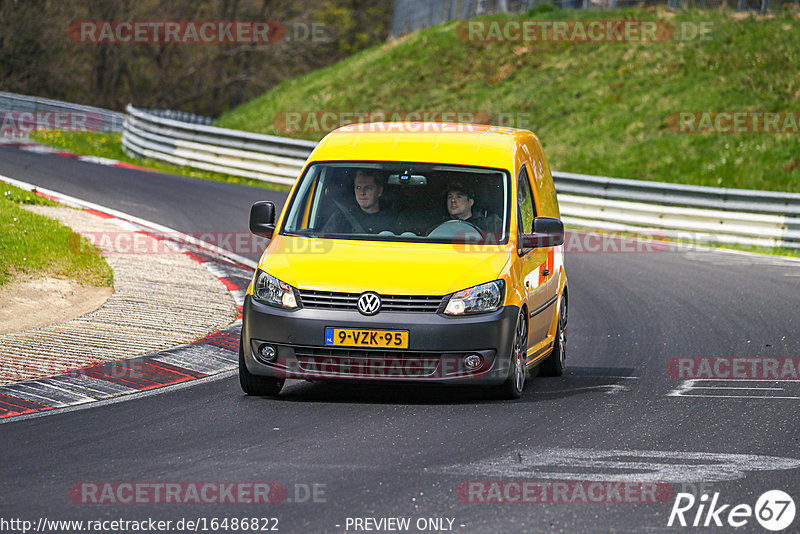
[[367, 193], [459, 205]]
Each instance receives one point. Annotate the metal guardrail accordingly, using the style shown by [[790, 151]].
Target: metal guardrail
[[719, 198], [182, 116], [680, 223], [263, 157], [695, 213], [97, 119], [686, 212]]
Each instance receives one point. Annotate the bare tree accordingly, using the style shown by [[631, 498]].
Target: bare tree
[[38, 57]]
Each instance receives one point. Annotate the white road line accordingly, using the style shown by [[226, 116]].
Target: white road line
[[726, 387], [742, 380], [687, 387], [684, 386], [604, 376], [611, 389], [620, 465], [738, 396], [769, 257]]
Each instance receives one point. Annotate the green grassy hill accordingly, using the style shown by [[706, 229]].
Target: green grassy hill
[[599, 108]]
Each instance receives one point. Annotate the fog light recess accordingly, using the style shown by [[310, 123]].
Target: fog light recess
[[267, 353], [473, 361]]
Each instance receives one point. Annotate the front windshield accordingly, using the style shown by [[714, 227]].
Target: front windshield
[[401, 202]]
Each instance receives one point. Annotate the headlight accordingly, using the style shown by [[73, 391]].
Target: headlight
[[478, 299], [270, 290]]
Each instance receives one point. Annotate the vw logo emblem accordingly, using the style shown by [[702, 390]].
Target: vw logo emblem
[[369, 303]]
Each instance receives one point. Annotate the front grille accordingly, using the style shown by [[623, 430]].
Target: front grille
[[367, 363], [390, 303]]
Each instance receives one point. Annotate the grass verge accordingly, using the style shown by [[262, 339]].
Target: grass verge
[[600, 108], [38, 246]]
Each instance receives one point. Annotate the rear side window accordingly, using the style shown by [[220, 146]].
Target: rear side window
[[544, 181], [525, 203]]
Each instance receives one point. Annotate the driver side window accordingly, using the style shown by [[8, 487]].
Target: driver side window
[[525, 208]]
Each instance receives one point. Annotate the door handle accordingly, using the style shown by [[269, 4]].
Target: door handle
[[546, 272]]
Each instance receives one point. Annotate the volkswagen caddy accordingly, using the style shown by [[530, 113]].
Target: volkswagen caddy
[[415, 252]]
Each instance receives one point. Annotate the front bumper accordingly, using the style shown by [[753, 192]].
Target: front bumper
[[436, 350]]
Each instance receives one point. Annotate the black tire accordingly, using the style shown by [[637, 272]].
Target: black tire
[[265, 386], [515, 383], [554, 364]]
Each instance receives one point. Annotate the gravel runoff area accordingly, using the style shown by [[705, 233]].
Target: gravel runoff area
[[160, 300]]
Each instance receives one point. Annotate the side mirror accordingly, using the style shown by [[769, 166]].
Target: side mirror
[[262, 219], [547, 232]]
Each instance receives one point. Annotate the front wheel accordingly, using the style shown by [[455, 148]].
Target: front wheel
[[512, 387], [251, 384], [554, 364]]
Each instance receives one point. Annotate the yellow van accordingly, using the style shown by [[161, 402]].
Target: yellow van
[[419, 252]]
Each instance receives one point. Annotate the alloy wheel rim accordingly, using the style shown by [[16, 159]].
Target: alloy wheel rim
[[562, 338], [519, 351]]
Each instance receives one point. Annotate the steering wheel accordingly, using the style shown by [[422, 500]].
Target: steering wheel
[[452, 225]]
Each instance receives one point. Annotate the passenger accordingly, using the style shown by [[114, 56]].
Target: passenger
[[460, 200], [368, 218]]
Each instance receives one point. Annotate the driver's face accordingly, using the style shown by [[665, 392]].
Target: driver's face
[[367, 192], [459, 205]]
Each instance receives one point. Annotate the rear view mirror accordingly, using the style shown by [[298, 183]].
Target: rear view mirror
[[407, 179], [547, 232], [262, 219]]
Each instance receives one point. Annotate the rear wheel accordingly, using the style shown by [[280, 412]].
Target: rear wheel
[[514, 384], [256, 385], [554, 364]]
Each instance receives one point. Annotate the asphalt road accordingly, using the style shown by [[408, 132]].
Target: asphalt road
[[401, 451]]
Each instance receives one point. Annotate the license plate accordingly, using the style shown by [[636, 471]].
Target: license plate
[[393, 339]]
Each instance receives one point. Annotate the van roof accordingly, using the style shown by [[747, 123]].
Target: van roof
[[453, 143]]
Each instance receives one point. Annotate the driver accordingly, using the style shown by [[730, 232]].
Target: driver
[[368, 216], [460, 199]]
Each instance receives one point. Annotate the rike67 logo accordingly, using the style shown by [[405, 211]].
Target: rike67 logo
[[774, 510]]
